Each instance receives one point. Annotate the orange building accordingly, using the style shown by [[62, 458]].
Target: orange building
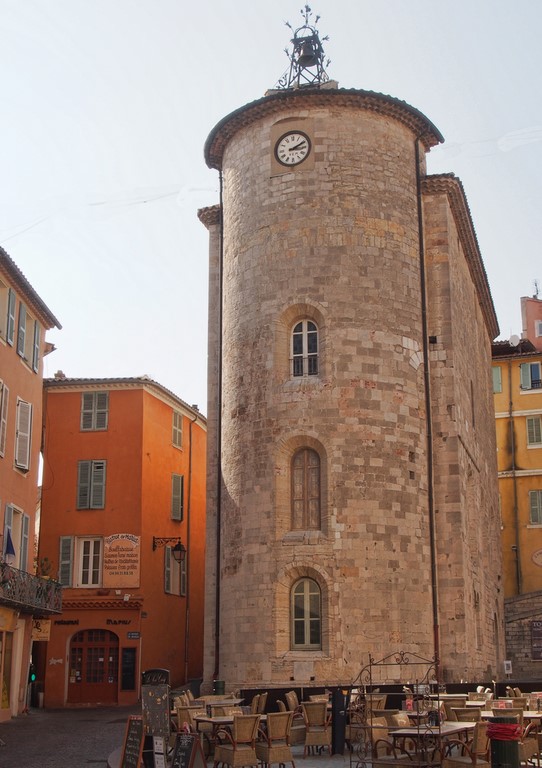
[[24, 597], [123, 523]]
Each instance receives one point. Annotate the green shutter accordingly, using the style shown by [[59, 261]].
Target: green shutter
[[4, 400], [97, 496], [23, 560], [497, 379], [83, 484], [167, 569], [525, 375], [87, 411], [23, 434], [36, 347], [65, 561], [177, 494], [10, 335], [21, 336], [534, 433], [102, 407]]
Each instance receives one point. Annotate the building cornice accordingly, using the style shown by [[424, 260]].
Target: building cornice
[[14, 274], [89, 604], [141, 382], [302, 99], [210, 216], [451, 186]]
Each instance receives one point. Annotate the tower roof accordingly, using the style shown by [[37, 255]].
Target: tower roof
[[277, 101]]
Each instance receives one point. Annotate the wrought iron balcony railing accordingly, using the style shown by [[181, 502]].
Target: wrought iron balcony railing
[[29, 593]]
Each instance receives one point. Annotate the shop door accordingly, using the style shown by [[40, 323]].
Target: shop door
[[94, 664]]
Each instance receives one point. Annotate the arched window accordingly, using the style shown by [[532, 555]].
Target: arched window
[[306, 611], [305, 349], [305, 490]]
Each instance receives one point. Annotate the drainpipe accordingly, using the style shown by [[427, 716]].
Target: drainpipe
[[187, 555], [515, 548], [216, 673], [428, 423]]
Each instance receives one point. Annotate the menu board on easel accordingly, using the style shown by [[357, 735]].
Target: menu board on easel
[[187, 752], [132, 749]]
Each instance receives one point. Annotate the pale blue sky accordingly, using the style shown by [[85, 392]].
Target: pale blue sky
[[106, 105]]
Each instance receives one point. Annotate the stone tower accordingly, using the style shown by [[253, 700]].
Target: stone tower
[[352, 499]]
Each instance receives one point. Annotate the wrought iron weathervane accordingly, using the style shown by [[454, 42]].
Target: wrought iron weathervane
[[306, 57]]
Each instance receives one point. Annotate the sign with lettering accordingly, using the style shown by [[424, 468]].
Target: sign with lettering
[[121, 560], [41, 629], [132, 749], [187, 752]]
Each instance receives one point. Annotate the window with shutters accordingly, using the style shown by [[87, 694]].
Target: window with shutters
[[94, 411], [5, 292], [65, 561], [91, 484], [530, 376], [23, 435], [534, 431], [89, 562], [35, 358], [16, 536], [177, 429], [535, 505], [497, 379], [304, 348], [177, 497], [306, 615], [305, 492], [21, 330], [4, 400], [10, 320]]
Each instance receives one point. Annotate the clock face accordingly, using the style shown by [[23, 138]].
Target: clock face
[[292, 148]]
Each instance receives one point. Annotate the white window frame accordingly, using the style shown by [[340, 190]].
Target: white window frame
[[23, 434], [4, 402], [177, 497], [94, 411], [91, 480], [304, 617], [534, 431], [535, 507], [529, 382], [496, 372], [177, 429], [304, 348], [89, 561]]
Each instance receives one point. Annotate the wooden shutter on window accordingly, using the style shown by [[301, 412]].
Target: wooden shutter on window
[[21, 335], [177, 494], [36, 347], [4, 399], [65, 561], [23, 434], [534, 433], [525, 375], [167, 569], [23, 560], [83, 484], [102, 407], [8, 524], [97, 496], [87, 410], [10, 335]]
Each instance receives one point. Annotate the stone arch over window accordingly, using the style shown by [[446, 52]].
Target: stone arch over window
[[300, 343], [289, 579], [301, 487]]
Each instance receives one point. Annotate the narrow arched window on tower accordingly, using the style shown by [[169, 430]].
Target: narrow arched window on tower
[[305, 490], [305, 349], [306, 612]]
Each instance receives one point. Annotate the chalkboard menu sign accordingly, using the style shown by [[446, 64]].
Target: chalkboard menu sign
[[155, 706], [132, 749], [155, 677], [187, 752]]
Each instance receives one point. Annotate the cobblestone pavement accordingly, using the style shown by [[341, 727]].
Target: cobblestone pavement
[[66, 738]]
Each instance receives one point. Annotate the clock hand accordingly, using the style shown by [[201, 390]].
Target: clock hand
[[297, 146]]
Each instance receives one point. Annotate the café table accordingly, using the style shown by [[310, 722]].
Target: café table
[[528, 714], [429, 739]]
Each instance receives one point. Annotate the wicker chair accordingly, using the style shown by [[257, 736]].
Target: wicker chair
[[450, 704], [383, 748], [298, 730], [318, 727], [520, 701], [254, 704], [516, 712], [238, 748], [376, 701], [458, 754], [274, 743], [292, 702], [467, 714], [186, 716], [262, 703]]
